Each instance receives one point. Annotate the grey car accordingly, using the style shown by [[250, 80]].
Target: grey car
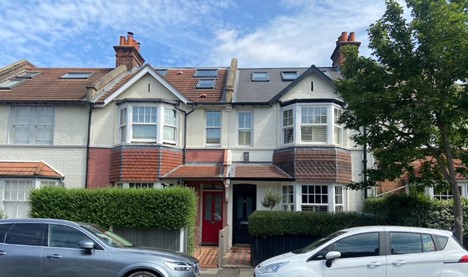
[[52, 247]]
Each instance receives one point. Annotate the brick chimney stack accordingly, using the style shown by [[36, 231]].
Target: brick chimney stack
[[337, 57], [128, 52]]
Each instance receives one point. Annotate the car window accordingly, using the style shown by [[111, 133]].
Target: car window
[[361, 245], [3, 230], [318, 243], [65, 236], [407, 243], [26, 234]]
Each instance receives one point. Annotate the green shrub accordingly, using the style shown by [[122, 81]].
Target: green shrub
[[2, 214], [415, 210], [277, 223], [170, 209]]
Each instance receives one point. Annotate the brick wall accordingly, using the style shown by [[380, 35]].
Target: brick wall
[[99, 167]]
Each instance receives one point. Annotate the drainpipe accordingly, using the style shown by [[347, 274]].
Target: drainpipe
[[364, 161], [185, 131], [91, 107]]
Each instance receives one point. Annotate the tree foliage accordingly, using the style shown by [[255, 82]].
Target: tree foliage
[[411, 95]]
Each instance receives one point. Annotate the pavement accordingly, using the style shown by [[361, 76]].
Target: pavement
[[227, 272]]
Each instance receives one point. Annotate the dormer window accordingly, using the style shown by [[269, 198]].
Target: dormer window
[[260, 77], [9, 84], [289, 75], [206, 84], [77, 75], [206, 73]]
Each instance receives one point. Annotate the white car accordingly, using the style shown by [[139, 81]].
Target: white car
[[374, 251]]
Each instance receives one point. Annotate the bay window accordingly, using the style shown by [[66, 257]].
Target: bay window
[[148, 124], [312, 124], [323, 198]]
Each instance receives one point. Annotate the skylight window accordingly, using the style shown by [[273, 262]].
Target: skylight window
[[9, 84], [260, 77], [289, 75], [206, 83], [77, 75], [206, 73], [28, 74]]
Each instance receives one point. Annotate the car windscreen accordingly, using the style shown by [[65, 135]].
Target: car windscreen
[[107, 236], [316, 244]]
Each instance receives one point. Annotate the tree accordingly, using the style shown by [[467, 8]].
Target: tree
[[408, 102], [271, 199]]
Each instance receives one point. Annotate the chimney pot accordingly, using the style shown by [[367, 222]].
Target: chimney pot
[[122, 41], [130, 34], [352, 37], [344, 36]]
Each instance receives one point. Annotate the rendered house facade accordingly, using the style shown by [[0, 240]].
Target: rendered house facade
[[230, 133]]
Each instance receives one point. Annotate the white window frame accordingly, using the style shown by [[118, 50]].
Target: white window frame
[[316, 123], [145, 122], [322, 115], [126, 124], [33, 124], [170, 123], [245, 127], [210, 126], [22, 202], [339, 198], [336, 198], [288, 198], [287, 126]]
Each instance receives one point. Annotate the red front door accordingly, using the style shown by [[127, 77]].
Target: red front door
[[212, 216]]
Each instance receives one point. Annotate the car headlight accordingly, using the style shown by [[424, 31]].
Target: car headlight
[[271, 268], [179, 266]]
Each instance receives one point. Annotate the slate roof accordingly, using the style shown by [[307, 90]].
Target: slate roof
[[28, 169], [259, 92], [49, 87]]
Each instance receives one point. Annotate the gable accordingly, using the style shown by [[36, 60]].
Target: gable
[[147, 87], [312, 86], [138, 87]]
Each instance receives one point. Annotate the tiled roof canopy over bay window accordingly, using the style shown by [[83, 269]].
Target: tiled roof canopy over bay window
[[312, 124], [148, 123]]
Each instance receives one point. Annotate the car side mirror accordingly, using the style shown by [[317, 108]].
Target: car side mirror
[[330, 256], [87, 245]]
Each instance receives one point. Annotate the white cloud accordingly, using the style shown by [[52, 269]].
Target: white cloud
[[306, 36]]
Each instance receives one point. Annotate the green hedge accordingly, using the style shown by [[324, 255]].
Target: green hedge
[[277, 223], [169, 209], [415, 210]]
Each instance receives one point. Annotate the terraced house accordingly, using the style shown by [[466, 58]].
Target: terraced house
[[231, 133]]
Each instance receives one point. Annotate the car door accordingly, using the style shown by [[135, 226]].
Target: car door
[[64, 257], [361, 256], [413, 254], [21, 249]]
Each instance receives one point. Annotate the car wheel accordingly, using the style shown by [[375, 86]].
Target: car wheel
[[143, 273]]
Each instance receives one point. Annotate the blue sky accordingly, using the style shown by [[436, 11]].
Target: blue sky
[[180, 33]]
